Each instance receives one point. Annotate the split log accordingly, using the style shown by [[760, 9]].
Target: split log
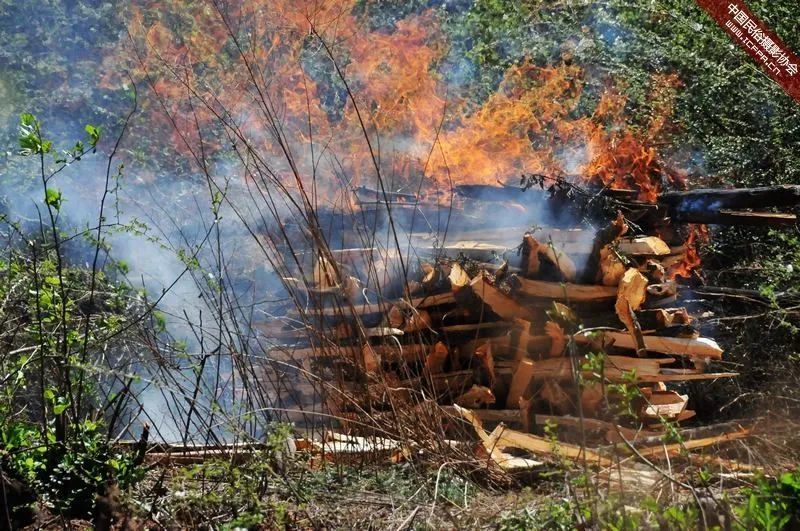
[[520, 382], [508, 237], [490, 446], [621, 374], [484, 354], [503, 437], [395, 317], [617, 368], [643, 246], [632, 290], [661, 404], [370, 359], [631, 294], [477, 397], [614, 230], [558, 338], [685, 377], [555, 290], [458, 277], [482, 251], [655, 271], [557, 398], [666, 289], [499, 302], [394, 353], [559, 260], [611, 266], [509, 347], [535, 255], [419, 321], [325, 275], [661, 318], [530, 256], [693, 348], [592, 397], [434, 363], [326, 351], [378, 331]]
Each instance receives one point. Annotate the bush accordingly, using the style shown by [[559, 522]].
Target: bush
[[67, 476]]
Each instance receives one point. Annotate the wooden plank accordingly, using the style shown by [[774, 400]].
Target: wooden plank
[[525, 441], [686, 377], [673, 450], [616, 368], [700, 347], [327, 351], [498, 326], [366, 309], [734, 217], [514, 416], [615, 374], [562, 291]]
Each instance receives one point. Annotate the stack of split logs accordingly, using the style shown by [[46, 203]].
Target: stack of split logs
[[538, 336], [523, 325]]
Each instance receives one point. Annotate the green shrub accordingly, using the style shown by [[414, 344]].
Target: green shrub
[[772, 504], [67, 476]]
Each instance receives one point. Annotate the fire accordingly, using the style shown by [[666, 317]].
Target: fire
[[698, 235], [424, 129]]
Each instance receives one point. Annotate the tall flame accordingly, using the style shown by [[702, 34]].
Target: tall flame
[[421, 127]]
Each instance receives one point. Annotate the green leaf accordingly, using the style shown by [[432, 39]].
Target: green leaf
[[94, 134], [27, 119], [53, 198]]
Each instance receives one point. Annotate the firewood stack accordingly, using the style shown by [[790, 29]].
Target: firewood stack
[[554, 325], [591, 323]]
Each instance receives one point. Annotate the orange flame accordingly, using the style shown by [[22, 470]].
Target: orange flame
[[528, 125], [698, 235]]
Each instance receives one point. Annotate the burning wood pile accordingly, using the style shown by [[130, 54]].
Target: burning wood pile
[[583, 328]]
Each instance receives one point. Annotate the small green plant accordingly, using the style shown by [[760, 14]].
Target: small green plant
[[772, 504], [67, 476], [559, 515]]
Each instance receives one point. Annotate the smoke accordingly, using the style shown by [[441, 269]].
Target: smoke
[[269, 135]]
